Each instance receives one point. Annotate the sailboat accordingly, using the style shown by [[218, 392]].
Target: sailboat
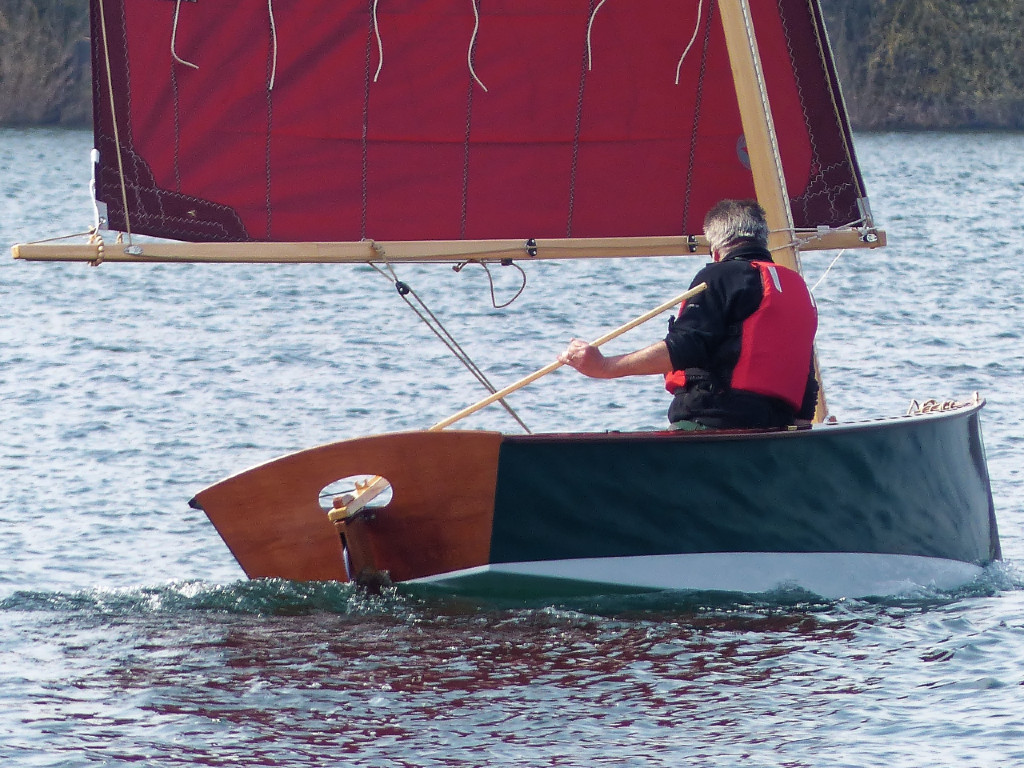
[[509, 131]]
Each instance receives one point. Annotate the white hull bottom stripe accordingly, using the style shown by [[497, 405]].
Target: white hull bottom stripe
[[828, 574]]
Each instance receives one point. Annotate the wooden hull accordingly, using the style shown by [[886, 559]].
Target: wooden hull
[[904, 501]]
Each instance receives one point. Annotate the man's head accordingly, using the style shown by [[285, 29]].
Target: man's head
[[730, 222]]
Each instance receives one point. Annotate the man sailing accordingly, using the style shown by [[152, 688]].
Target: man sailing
[[740, 354]]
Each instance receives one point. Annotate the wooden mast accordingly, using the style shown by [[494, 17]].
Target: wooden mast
[[759, 129], [762, 144]]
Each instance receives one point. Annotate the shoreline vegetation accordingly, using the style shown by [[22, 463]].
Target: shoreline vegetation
[[922, 65]]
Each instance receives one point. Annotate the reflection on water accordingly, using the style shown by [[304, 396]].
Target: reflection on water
[[282, 674]]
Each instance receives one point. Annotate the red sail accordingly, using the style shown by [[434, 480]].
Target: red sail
[[450, 119]]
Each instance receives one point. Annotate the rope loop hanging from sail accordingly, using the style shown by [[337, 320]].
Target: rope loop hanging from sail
[[693, 39], [590, 27], [590, 30], [174, 39], [827, 270], [490, 279], [375, 22], [380, 42], [273, 46], [424, 313], [472, 45]]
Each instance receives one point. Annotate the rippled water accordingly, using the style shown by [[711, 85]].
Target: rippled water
[[128, 634]]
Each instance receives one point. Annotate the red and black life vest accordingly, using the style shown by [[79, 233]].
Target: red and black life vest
[[776, 340]]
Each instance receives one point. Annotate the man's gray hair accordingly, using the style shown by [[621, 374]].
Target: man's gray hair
[[733, 220]]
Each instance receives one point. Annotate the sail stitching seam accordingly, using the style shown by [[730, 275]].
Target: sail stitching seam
[[819, 185], [766, 107], [465, 154], [827, 62], [271, 73], [804, 198], [177, 131], [698, 101], [371, 31], [819, 178], [574, 161]]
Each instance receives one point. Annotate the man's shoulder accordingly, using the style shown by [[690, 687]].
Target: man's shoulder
[[726, 271]]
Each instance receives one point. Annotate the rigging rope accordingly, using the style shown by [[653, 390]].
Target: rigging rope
[[798, 242], [429, 319], [113, 120], [829, 269]]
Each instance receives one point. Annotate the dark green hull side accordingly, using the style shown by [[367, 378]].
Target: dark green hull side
[[910, 486]]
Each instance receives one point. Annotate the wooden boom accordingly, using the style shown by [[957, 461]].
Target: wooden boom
[[416, 251]]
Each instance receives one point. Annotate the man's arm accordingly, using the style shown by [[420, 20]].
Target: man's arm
[[588, 360]]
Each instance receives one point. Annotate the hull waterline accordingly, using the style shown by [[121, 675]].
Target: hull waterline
[[841, 510], [829, 575]]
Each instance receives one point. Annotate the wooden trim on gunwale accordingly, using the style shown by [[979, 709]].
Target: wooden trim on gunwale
[[415, 251]]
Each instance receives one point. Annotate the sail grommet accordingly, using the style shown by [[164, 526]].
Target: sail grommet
[[531, 247]]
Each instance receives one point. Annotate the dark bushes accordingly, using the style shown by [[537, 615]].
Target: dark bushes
[[44, 62], [930, 64], [904, 64]]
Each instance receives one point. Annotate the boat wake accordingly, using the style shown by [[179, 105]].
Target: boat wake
[[259, 597], [278, 597]]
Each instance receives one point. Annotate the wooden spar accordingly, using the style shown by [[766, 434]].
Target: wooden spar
[[763, 145], [558, 364], [412, 251], [759, 129]]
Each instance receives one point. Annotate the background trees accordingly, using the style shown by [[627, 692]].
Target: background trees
[[936, 64], [904, 64], [44, 62]]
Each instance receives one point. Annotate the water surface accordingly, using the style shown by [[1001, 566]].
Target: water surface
[[128, 634]]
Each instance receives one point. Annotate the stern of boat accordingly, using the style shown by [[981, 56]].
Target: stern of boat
[[438, 519]]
